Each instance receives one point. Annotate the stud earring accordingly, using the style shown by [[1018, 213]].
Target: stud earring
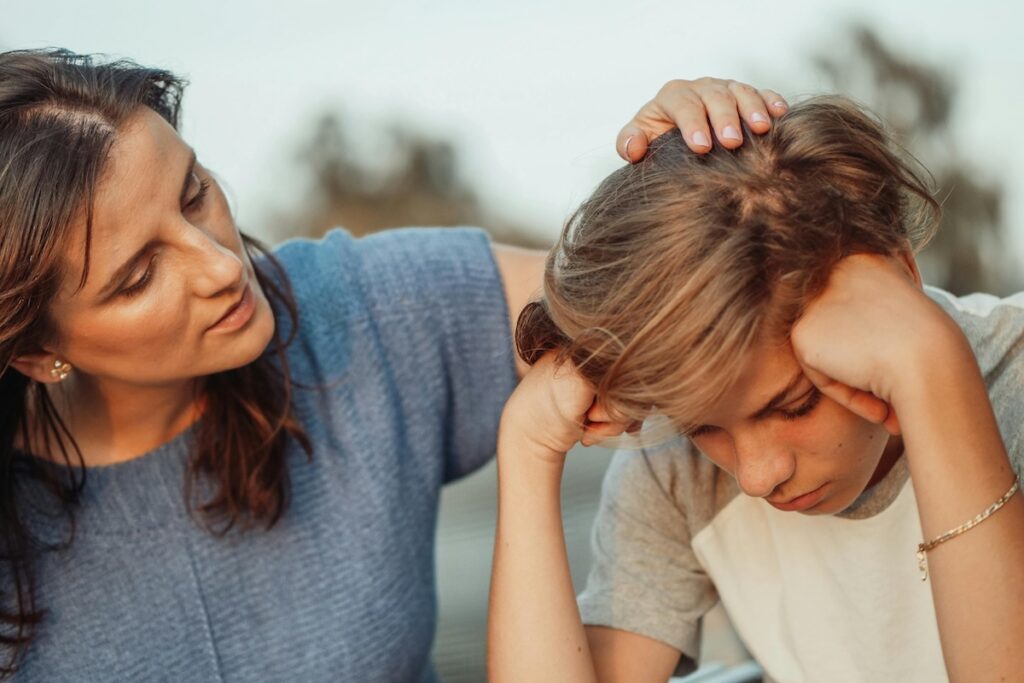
[[60, 370]]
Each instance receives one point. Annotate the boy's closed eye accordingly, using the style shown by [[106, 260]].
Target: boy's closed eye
[[801, 406]]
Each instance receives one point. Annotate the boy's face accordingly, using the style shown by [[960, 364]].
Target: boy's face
[[786, 442]]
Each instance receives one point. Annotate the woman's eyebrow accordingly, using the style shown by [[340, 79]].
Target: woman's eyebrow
[[126, 267], [780, 397], [124, 270]]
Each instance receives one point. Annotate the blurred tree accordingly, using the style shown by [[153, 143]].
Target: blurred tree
[[970, 252], [414, 180]]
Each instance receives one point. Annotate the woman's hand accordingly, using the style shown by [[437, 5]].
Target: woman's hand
[[553, 408], [869, 330], [691, 105]]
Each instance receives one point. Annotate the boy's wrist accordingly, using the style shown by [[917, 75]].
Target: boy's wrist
[[941, 363], [516, 444], [533, 435]]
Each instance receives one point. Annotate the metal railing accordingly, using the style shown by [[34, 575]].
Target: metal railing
[[747, 672]]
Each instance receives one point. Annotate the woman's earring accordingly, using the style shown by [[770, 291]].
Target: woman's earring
[[60, 370]]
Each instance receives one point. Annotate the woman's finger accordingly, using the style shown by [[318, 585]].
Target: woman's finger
[[775, 102], [681, 103], [751, 106], [631, 144], [722, 111], [674, 108]]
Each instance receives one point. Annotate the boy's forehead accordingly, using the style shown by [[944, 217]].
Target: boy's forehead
[[765, 371]]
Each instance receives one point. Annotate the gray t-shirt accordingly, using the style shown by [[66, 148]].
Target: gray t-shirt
[[836, 598], [405, 338]]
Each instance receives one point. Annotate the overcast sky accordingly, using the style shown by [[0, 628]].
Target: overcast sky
[[532, 92]]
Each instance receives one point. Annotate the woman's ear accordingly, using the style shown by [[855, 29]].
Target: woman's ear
[[43, 366]]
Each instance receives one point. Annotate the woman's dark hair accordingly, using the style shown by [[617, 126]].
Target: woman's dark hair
[[59, 116]]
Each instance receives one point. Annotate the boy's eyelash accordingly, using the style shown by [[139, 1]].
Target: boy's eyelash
[[806, 407], [813, 398], [699, 431]]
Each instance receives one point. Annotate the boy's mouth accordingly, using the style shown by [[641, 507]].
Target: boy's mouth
[[802, 502]]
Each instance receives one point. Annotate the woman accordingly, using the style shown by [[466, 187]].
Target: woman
[[766, 301], [309, 403]]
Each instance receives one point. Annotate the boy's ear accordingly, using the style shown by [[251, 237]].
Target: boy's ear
[[42, 366]]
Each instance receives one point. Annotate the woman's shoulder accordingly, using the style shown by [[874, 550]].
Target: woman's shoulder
[[339, 277], [313, 265], [394, 271]]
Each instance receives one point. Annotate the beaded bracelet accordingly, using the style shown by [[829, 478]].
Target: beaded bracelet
[[922, 548]]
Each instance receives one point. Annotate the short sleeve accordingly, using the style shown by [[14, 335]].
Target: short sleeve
[[995, 329], [645, 577], [416, 321], [445, 282]]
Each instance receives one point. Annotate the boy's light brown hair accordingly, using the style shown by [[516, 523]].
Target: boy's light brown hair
[[676, 267]]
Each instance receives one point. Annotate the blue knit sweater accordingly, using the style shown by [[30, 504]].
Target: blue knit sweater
[[407, 335]]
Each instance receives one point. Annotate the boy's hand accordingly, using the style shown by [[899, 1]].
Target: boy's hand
[[872, 327], [553, 408]]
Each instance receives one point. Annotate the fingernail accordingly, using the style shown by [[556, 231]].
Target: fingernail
[[700, 139], [730, 133], [758, 117], [780, 105], [626, 146]]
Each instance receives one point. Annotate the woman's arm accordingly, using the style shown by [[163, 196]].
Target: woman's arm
[[522, 274], [691, 106], [873, 335], [534, 627]]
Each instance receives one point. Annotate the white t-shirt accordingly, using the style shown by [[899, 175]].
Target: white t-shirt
[[814, 598]]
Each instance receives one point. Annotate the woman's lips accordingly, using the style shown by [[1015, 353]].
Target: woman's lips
[[238, 315], [801, 502]]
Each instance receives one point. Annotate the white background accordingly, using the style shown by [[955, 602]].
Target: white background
[[531, 92]]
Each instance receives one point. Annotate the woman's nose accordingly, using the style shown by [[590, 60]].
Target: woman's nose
[[216, 267], [761, 466]]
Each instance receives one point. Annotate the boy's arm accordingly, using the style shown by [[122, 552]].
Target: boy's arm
[[874, 342], [642, 561]]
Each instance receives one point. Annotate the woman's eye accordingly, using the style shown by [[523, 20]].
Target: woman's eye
[[812, 400], [141, 283], [199, 197]]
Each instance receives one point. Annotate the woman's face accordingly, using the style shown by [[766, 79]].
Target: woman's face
[[171, 293], [784, 441]]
